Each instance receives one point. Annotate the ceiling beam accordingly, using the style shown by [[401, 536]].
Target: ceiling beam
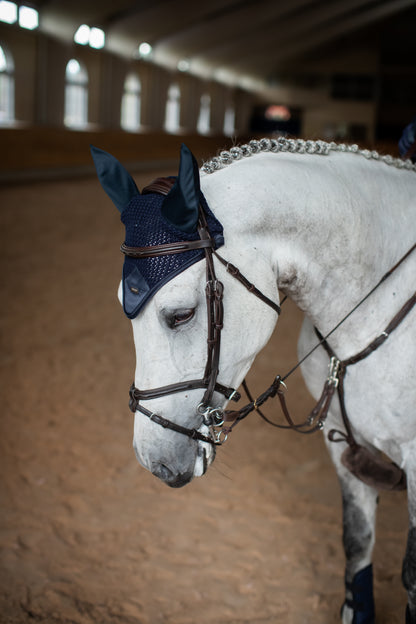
[[265, 45], [162, 18], [238, 26], [342, 28]]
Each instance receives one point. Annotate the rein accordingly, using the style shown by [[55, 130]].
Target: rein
[[213, 417], [367, 466], [317, 416]]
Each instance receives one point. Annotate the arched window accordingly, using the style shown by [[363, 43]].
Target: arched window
[[229, 121], [130, 104], [6, 88], [204, 120], [76, 95], [173, 109]]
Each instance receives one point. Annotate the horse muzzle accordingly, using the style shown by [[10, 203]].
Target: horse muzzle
[[175, 462], [170, 475]]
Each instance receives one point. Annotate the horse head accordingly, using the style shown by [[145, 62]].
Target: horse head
[[174, 300]]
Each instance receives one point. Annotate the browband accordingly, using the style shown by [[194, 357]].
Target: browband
[[166, 249]]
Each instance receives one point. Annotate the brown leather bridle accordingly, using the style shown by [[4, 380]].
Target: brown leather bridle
[[214, 417], [214, 289]]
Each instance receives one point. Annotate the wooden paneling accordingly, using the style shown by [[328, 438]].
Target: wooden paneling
[[51, 152]]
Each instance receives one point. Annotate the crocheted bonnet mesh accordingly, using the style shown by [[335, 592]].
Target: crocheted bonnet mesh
[[151, 219], [146, 226]]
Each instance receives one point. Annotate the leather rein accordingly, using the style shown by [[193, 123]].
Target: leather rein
[[215, 417]]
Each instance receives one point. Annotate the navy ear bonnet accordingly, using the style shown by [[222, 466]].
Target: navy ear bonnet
[[407, 141], [154, 219], [146, 226]]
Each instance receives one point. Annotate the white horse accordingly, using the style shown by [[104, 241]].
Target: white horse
[[322, 223]]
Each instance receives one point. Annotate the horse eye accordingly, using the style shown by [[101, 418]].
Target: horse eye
[[180, 317]]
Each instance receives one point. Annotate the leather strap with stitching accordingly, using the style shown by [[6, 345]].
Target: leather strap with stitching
[[161, 186], [153, 251], [319, 413], [194, 434], [181, 386], [232, 270], [335, 435]]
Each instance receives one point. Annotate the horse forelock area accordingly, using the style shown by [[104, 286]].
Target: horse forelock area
[[299, 146]]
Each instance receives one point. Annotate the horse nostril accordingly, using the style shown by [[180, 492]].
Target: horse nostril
[[171, 478], [162, 471]]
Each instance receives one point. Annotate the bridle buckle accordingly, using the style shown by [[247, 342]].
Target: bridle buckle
[[333, 372]]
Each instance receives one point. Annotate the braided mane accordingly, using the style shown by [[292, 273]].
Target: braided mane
[[299, 146]]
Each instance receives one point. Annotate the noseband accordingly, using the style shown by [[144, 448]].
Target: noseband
[[212, 417]]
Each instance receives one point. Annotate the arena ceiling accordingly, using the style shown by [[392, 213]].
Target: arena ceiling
[[256, 41]]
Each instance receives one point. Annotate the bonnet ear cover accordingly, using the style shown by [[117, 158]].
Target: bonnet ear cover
[[115, 180], [153, 219], [181, 205], [407, 142]]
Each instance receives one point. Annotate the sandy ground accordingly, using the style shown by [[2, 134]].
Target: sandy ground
[[86, 534]]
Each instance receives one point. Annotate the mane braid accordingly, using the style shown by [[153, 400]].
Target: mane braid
[[299, 146]]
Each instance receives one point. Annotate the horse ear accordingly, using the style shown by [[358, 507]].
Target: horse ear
[[181, 206], [115, 180]]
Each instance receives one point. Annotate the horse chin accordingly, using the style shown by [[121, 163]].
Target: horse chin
[[180, 481], [204, 457]]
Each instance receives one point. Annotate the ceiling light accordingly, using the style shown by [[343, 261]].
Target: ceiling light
[[97, 38], [8, 12], [28, 18], [82, 36], [145, 49], [183, 65]]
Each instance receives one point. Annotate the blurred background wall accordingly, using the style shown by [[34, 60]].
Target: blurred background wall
[[137, 79]]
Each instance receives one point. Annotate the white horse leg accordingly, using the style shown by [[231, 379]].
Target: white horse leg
[[409, 562], [409, 575], [359, 503]]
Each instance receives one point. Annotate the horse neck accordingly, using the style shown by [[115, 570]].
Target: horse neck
[[331, 225]]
